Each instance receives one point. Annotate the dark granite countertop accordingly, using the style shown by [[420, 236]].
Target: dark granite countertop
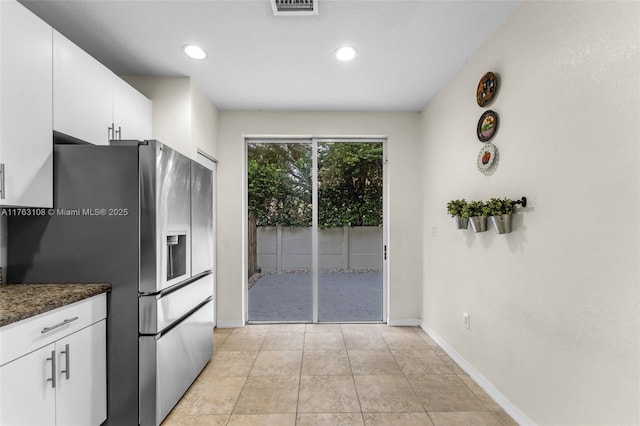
[[21, 301]]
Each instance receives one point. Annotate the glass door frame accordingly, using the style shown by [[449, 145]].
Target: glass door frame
[[314, 141]]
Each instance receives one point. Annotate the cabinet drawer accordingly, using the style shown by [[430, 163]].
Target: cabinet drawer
[[32, 333]]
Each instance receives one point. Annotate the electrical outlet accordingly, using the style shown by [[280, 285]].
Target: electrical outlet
[[434, 230], [466, 318]]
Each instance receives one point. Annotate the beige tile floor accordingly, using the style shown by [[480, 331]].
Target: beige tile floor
[[332, 374]]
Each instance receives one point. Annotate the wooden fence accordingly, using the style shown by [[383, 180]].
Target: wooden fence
[[252, 232]]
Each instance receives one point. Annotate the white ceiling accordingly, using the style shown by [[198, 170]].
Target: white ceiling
[[408, 50]]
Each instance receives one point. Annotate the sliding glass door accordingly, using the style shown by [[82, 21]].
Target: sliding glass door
[[280, 231], [350, 237], [315, 230]]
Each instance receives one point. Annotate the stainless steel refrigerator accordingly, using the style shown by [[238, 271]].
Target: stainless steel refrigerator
[[137, 215]]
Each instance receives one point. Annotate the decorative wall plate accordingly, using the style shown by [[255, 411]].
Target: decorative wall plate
[[487, 125], [486, 157], [487, 87]]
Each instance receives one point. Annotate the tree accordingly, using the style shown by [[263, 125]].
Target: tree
[[349, 184], [279, 184]]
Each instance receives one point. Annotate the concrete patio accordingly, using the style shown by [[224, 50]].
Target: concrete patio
[[342, 297]]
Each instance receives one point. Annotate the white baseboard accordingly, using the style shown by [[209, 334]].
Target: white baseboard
[[518, 415], [230, 324], [404, 322]]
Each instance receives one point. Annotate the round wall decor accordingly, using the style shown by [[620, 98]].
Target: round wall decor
[[486, 157], [487, 87], [487, 125]]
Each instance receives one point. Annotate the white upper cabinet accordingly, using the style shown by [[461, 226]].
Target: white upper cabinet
[[82, 95], [131, 112], [91, 103], [26, 143]]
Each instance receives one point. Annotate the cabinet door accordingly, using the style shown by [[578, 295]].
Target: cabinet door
[[26, 397], [131, 111], [82, 382], [82, 93], [26, 144]]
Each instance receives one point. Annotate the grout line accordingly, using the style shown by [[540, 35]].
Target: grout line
[[406, 377], [295, 422], [353, 379], [246, 379]]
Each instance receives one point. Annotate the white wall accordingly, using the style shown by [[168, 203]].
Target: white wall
[[204, 122], [402, 130], [554, 305], [171, 97]]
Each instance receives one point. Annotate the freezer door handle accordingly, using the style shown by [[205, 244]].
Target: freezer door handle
[[159, 312]]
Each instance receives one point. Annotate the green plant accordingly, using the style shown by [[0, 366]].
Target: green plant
[[475, 208], [279, 178], [498, 207], [457, 207]]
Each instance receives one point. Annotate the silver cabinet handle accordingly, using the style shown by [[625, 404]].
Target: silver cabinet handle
[[53, 327], [113, 134], [1, 181], [53, 369], [66, 370]]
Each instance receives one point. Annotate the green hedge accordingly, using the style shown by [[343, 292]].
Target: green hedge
[[349, 184]]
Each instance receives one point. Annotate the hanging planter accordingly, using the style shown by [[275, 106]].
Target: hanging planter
[[478, 223], [461, 222], [501, 224], [500, 211], [477, 215], [456, 208]]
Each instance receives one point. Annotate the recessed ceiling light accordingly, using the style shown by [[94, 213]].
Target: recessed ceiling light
[[346, 53], [193, 51]]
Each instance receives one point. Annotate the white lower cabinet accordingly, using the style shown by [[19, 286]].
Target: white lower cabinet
[[26, 397], [63, 383], [81, 390]]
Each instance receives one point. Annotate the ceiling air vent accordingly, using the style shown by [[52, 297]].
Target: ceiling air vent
[[294, 7]]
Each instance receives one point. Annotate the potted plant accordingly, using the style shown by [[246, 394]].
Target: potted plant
[[477, 212], [456, 208], [500, 211]]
